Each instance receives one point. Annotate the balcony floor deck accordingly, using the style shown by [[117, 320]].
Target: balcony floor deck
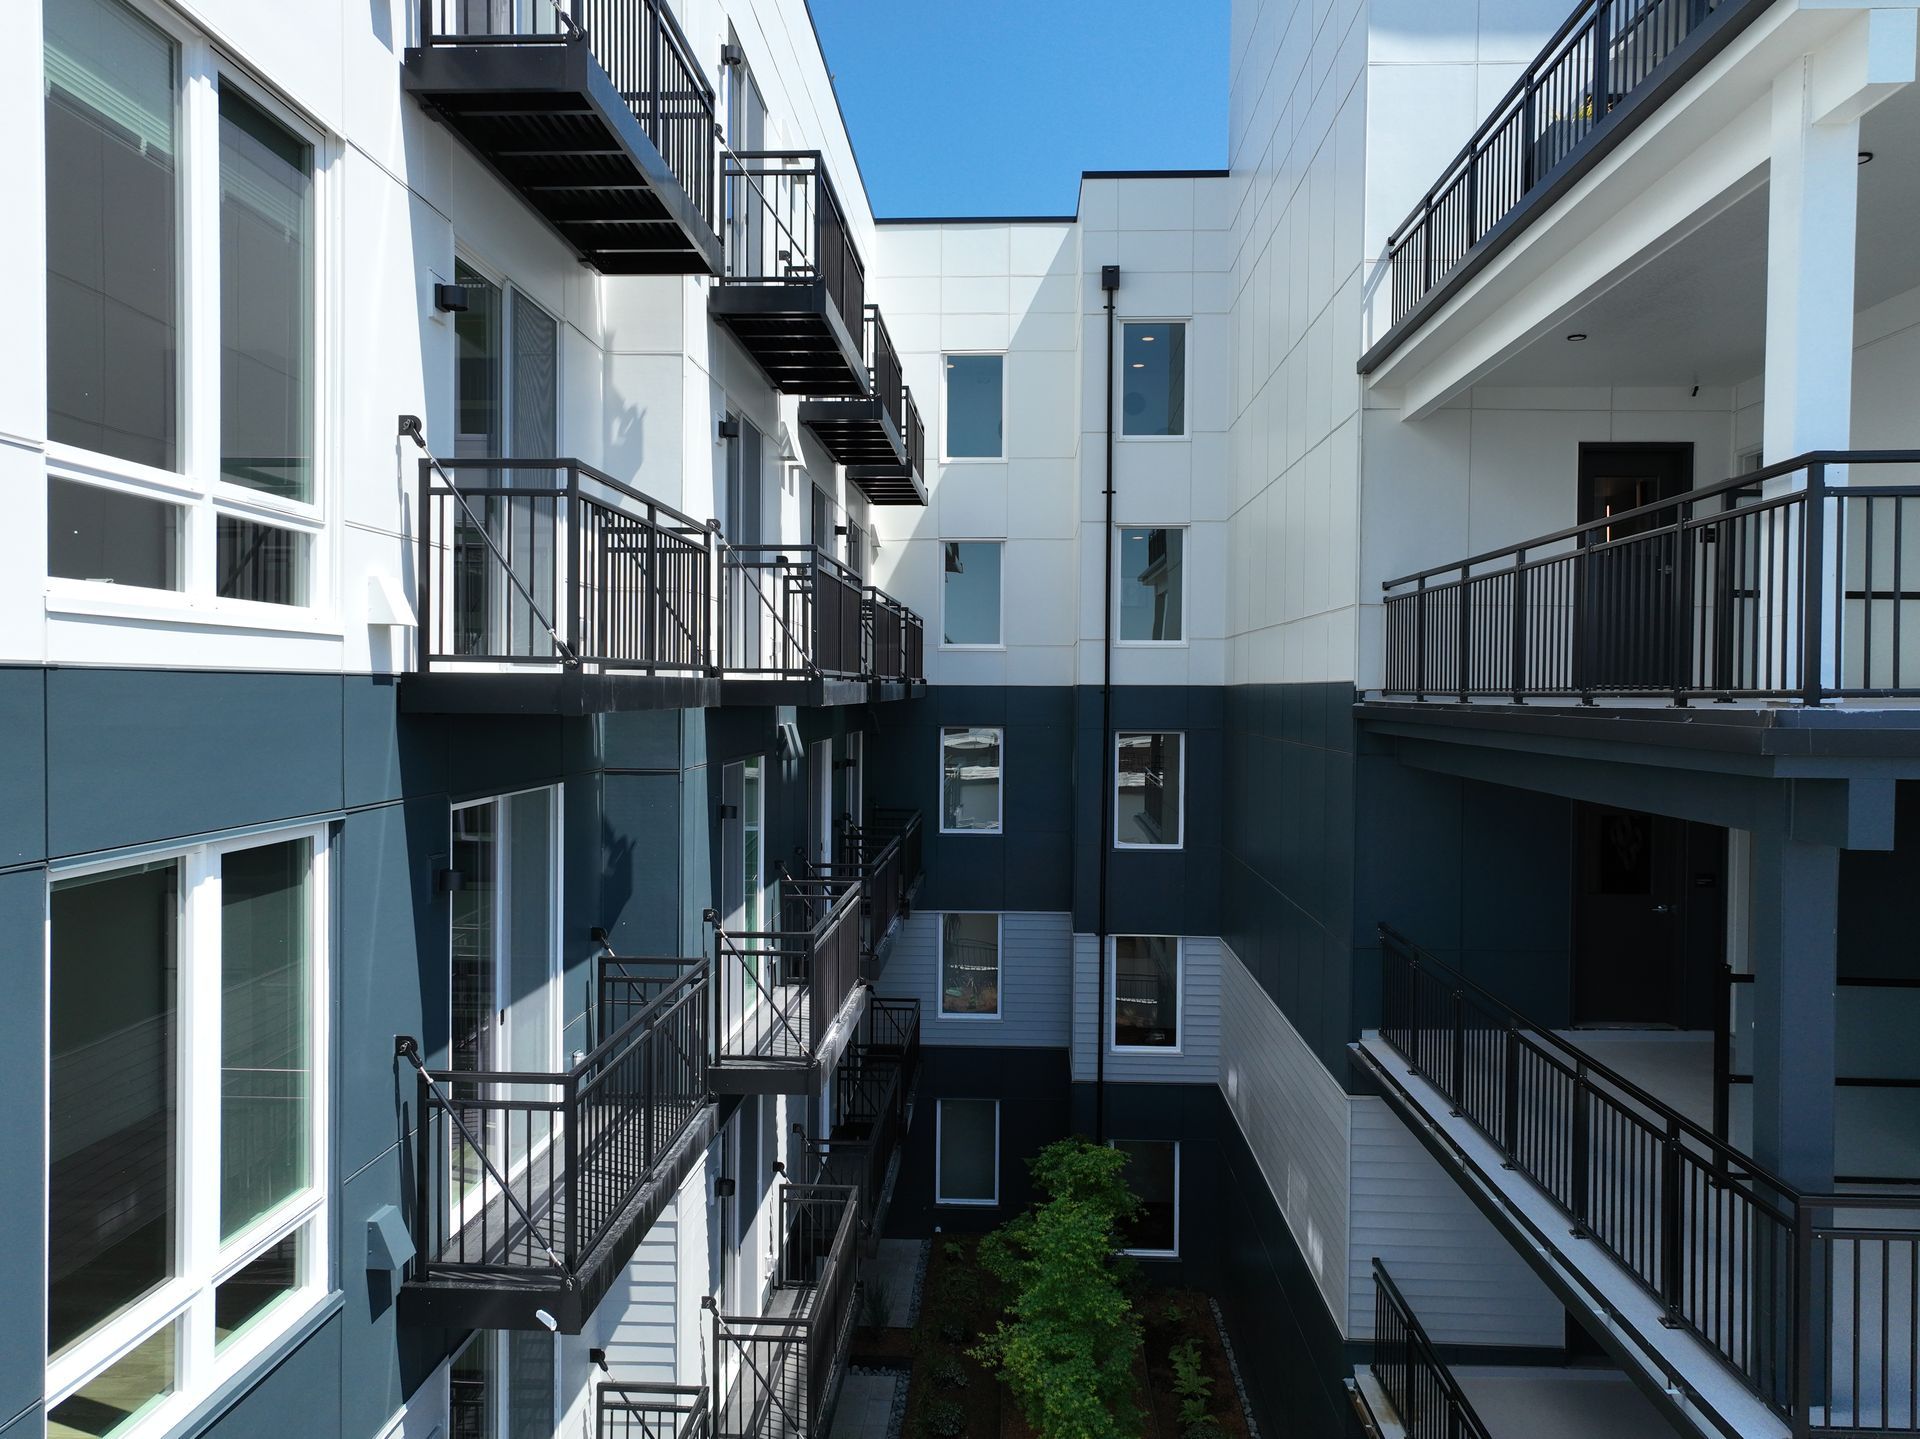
[[1539, 1403], [782, 1059]]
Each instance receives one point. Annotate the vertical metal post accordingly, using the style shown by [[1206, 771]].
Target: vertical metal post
[[423, 567], [1602, 60], [1680, 645], [1672, 1243], [1813, 547], [1580, 1158], [424, 1244], [1800, 1333], [570, 1126], [574, 528], [649, 1051], [1426, 244], [1527, 140], [1510, 1107], [1518, 663], [1457, 1078], [1465, 657], [1420, 639]]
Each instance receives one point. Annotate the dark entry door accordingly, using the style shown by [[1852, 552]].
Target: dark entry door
[[1648, 919], [1629, 608]]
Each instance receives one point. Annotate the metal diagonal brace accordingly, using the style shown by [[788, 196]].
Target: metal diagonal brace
[[408, 1048], [411, 428]]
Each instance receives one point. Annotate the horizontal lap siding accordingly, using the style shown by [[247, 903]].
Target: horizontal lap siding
[[1461, 1277], [645, 1300], [1035, 955], [1198, 1059], [1293, 1116]]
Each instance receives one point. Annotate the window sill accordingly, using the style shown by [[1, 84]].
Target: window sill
[[271, 1353], [946, 648], [308, 624], [945, 1014], [983, 833]]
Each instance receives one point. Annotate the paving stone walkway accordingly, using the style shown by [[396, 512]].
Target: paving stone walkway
[[871, 1405]]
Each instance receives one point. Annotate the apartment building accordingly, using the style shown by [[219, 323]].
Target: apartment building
[[593, 728]]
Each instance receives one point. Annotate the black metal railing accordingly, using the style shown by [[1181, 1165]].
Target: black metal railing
[[1808, 1299], [791, 611], [628, 985], [1605, 52], [779, 1370], [914, 432], [884, 374], [865, 1123], [640, 46], [776, 993], [893, 636], [1787, 583], [651, 1411], [1429, 1404], [523, 1173], [785, 226], [884, 856], [552, 563]]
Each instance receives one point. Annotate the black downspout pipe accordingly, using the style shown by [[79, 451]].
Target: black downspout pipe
[[1110, 283]]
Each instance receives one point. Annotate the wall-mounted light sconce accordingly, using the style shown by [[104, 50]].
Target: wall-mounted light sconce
[[729, 428], [448, 881], [723, 1188], [450, 299], [731, 55]]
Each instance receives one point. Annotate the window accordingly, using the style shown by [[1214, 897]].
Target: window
[[1148, 769], [1146, 991], [1152, 586], [976, 402], [502, 1385], [970, 592], [966, 1168], [165, 395], [1153, 1174], [1153, 379], [186, 1182], [970, 965], [969, 780]]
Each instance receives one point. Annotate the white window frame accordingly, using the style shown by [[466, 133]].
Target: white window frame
[[1000, 610], [1173, 1253], [1179, 997], [939, 1138], [999, 970], [202, 1260], [1119, 843], [1186, 394], [498, 1339], [1119, 639], [946, 457], [1000, 786], [196, 488]]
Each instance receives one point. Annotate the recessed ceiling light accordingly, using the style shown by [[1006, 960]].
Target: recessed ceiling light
[[1866, 157], [1577, 336]]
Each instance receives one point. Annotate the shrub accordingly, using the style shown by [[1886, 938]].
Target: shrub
[[873, 1303], [952, 1330], [1204, 1429], [949, 1373], [943, 1419], [1192, 1385], [1066, 1348]]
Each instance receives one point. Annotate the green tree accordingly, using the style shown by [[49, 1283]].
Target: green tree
[[1066, 1348]]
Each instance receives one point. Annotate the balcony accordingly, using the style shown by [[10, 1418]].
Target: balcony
[[780, 1371], [651, 1411], [794, 291], [884, 857], [549, 587], [871, 1099], [1543, 136], [787, 1001], [877, 436], [594, 111], [801, 628], [1788, 584], [1741, 1304], [532, 1190], [1409, 1389]]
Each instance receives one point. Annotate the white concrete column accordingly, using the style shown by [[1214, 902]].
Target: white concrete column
[[1812, 192]]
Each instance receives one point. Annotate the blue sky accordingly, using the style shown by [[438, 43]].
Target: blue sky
[[994, 107]]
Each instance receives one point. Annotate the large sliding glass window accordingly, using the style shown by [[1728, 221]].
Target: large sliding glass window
[[153, 412], [186, 1180], [501, 1385]]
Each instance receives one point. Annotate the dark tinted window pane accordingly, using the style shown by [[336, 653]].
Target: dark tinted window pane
[[113, 1128], [971, 611], [970, 964], [477, 388], [109, 535], [536, 404], [266, 302], [1153, 392], [252, 1291], [530, 1385], [112, 219], [973, 406], [1151, 584], [1147, 804], [261, 563], [1146, 991], [969, 1151], [264, 1063], [1152, 1173]]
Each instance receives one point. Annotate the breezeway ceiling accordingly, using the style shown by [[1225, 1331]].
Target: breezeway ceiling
[[1697, 314]]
